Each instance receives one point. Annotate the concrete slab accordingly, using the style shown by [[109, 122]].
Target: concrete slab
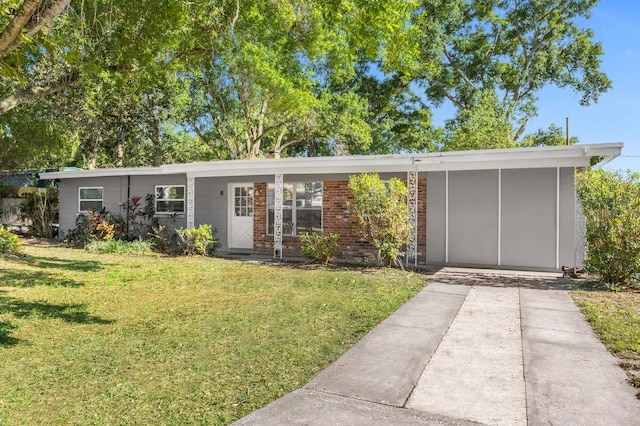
[[305, 407], [570, 377], [436, 286], [377, 373], [428, 311], [557, 320], [477, 372], [385, 365], [549, 299], [425, 339]]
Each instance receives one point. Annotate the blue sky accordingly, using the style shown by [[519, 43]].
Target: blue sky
[[616, 116]]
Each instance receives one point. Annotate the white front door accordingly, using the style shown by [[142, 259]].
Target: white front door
[[241, 215]]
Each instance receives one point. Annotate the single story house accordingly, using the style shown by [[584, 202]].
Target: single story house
[[507, 208]]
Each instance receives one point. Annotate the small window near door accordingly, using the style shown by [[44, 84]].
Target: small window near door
[[89, 199], [169, 199], [243, 201]]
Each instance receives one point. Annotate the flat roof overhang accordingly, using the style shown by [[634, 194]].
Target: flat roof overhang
[[512, 158]]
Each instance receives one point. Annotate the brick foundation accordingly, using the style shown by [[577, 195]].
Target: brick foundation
[[335, 219]]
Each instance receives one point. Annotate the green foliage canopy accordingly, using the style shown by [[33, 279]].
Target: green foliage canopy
[[611, 205], [382, 214]]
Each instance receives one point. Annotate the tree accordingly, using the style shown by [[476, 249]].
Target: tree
[[611, 205], [115, 45], [397, 118], [264, 92], [22, 43], [480, 126], [382, 214], [553, 136], [510, 48]]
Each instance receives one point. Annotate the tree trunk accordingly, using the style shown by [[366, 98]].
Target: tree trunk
[[121, 142], [32, 16]]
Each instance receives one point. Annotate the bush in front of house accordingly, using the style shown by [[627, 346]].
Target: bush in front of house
[[382, 215], [319, 247], [198, 240], [611, 206], [99, 225], [9, 242], [40, 210], [165, 240]]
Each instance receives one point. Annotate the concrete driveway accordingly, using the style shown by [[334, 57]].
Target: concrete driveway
[[474, 347]]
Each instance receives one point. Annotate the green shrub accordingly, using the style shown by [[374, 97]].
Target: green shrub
[[140, 218], [9, 242], [118, 246], [382, 214], [165, 240], [41, 209], [611, 206], [318, 247], [96, 225], [198, 240]]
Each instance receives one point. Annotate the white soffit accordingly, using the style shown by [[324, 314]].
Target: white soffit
[[514, 158]]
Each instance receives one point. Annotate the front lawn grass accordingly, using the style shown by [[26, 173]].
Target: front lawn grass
[[143, 339], [615, 317]]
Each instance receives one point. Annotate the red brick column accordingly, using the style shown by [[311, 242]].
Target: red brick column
[[261, 243]]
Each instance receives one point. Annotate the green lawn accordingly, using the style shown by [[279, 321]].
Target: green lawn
[[615, 317], [142, 339]]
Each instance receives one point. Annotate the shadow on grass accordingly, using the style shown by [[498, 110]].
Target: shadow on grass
[[21, 278], [72, 313], [5, 334], [41, 271], [62, 264]]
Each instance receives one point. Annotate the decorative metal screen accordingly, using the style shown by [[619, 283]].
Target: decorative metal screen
[[277, 220], [191, 190], [412, 202]]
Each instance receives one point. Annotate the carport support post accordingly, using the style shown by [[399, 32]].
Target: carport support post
[[277, 216], [191, 190], [412, 204]]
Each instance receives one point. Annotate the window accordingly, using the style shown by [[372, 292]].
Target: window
[[301, 208], [169, 199], [243, 201], [89, 199]]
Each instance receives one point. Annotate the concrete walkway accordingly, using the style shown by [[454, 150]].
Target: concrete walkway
[[474, 347]]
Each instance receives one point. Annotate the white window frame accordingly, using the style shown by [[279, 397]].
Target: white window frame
[[294, 208], [80, 200], [169, 213]]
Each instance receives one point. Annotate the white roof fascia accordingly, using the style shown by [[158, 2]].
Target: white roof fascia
[[538, 157], [133, 171]]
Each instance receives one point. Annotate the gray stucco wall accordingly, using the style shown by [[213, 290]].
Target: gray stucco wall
[[473, 217], [115, 190], [529, 218], [530, 230], [436, 217]]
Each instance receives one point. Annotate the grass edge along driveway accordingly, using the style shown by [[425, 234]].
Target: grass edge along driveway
[[615, 318], [143, 339]]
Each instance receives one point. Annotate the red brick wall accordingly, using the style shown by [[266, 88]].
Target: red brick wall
[[335, 219]]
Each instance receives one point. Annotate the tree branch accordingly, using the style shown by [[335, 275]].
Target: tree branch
[[28, 95], [30, 18], [457, 69], [448, 95], [10, 37]]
